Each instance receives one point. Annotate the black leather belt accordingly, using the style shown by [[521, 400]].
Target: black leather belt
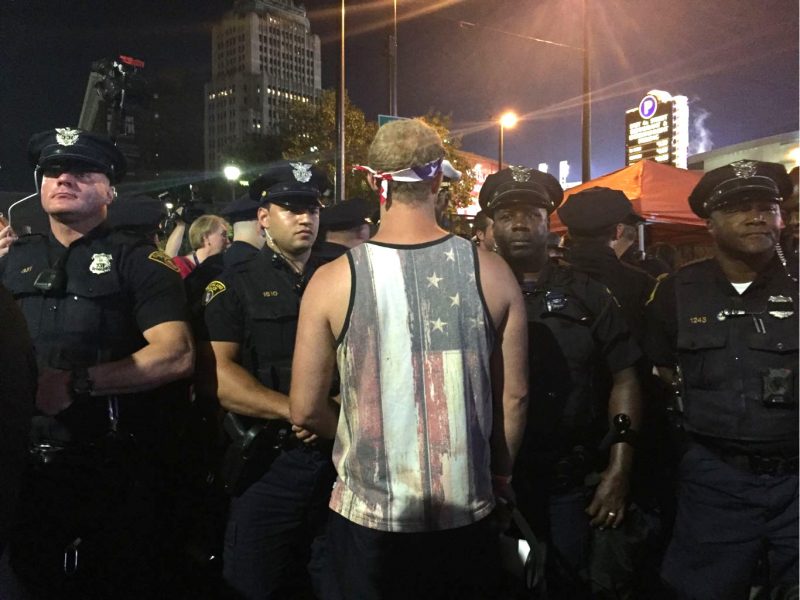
[[761, 465]]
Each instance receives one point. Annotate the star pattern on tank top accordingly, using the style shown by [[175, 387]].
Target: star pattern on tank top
[[433, 280], [438, 325]]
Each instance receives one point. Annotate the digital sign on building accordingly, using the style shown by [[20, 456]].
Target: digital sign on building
[[658, 130]]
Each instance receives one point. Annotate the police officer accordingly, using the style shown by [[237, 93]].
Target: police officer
[[343, 226], [106, 312], [138, 213], [248, 236], [729, 326], [595, 219], [581, 377], [280, 480]]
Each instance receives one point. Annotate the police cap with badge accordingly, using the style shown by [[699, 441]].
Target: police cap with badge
[[346, 215], [244, 208], [70, 150], [519, 185], [737, 182], [595, 209], [294, 185], [138, 213]]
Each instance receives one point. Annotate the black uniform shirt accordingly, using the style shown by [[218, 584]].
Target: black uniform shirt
[[578, 340], [726, 343], [630, 286], [238, 252], [256, 304], [116, 284], [326, 252], [113, 287]]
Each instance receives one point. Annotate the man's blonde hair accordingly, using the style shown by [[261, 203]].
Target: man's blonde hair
[[404, 144], [202, 226]]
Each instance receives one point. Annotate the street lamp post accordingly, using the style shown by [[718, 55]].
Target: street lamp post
[[232, 174], [506, 121]]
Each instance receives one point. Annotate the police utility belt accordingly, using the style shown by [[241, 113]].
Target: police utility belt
[[255, 443]]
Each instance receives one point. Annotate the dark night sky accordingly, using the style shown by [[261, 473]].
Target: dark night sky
[[736, 60]]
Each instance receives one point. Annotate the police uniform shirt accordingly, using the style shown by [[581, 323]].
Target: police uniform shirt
[[325, 252], [114, 286], [256, 304], [580, 338], [631, 286], [725, 342], [238, 252], [117, 286]]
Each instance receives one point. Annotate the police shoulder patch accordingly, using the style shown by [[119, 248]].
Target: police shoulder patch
[[164, 259], [213, 289]]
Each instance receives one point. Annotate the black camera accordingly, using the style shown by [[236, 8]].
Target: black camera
[[778, 388], [51, 281]]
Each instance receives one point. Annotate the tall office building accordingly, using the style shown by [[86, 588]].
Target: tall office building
[[264, 57]]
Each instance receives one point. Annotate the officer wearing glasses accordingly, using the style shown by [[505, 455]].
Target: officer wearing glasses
[[106, 312]]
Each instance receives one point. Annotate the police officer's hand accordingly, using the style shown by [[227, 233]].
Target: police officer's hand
[[53, 394], [304, 435], [607, 508], [7, 237]]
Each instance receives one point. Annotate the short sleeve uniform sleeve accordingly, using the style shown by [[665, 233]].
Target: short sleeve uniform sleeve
[[661, 324], [224, 314], [156, 290], [612, 334]]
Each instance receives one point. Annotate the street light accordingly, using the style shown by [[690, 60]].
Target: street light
[[232, 174], [506, 121]]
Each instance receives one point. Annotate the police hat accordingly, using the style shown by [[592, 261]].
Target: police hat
[[136, 213], [738, 181], [244, 208], [520, 185], [295, 185], [68, 148], [595, 209], [346, 215]]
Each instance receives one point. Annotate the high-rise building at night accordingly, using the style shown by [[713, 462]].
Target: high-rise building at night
[[264, 57]]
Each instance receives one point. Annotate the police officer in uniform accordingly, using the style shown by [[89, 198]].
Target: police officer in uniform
[[581, 377], [248, 236], [106, 312], [728, 327], [342, 226], [594, 218], [280, 479]]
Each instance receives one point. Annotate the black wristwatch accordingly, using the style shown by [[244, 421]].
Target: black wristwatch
[[82, 384]]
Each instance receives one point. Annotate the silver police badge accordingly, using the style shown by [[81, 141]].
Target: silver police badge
[[67, 136], [520, 174], [301, 172], [744, 168], [783, 304], [101, 263]]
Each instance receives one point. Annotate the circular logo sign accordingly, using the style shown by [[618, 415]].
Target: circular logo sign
[[648, 106]]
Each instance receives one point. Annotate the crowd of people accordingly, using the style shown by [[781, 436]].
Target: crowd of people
[[350, 402]]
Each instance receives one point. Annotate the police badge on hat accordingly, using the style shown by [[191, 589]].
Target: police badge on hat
[[66, 136], [744, 168], [101, 263], [301, 172], [520, 174]]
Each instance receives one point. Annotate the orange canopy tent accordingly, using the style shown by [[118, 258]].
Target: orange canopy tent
[[660, 194]]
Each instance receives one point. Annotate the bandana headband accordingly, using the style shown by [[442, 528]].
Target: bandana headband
[[424, 172]]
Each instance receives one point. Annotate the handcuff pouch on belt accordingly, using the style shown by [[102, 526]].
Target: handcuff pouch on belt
[[252, 449]]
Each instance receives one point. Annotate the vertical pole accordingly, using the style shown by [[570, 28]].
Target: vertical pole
[[340, 118], [393, 66], [500, 151], [586, 120]]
